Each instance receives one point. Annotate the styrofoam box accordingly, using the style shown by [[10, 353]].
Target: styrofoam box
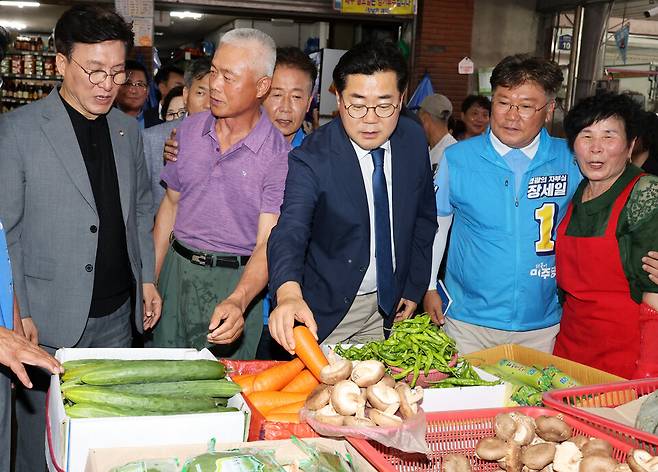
[[459, 398], [68, 440], [467, 398]]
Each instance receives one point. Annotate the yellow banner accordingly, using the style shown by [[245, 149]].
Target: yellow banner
[[378, 7]]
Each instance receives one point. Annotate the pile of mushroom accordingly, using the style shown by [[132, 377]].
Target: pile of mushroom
[[360, 393], [546, 444]]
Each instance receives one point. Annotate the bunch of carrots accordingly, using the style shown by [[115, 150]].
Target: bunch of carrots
[[279, 392]]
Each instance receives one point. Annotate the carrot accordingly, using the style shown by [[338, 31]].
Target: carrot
[[288, 408], [308, 350], [246, 381], [277, 377], [283, 417], [266, 401], [303, 382]]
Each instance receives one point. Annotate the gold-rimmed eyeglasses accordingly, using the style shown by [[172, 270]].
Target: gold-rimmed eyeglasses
[[524, 111]]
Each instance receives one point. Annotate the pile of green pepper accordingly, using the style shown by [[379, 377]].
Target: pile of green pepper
[[418, 345]]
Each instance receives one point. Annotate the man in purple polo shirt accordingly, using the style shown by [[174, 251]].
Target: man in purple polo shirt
[[223, 198]]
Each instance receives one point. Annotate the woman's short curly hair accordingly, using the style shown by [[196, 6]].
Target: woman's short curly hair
[[600, 107]]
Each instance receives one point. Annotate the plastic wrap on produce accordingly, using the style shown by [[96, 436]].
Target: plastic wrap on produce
[[409, 437]]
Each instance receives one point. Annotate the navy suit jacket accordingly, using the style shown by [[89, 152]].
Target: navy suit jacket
[[322, 239]]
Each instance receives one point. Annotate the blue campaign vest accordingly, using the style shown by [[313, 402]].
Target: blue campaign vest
[[501, 260], [6, 287]]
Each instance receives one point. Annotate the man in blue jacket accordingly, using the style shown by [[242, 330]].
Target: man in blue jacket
[[351, 251], [506, 191]]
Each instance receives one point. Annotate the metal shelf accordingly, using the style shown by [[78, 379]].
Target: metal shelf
[[52, 78], [18, 52], [17, 101]]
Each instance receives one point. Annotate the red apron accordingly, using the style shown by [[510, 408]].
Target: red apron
[[600, 321]]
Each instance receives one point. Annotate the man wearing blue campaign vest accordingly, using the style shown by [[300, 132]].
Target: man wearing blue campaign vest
[[505, 192]]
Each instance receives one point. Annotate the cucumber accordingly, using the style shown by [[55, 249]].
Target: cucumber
[[93, 410], [186, 388], [77, 371], [70, 383], [148, 371], [105, 396], [82, 362]]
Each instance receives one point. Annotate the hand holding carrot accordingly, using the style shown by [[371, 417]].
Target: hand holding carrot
[[291, 306]]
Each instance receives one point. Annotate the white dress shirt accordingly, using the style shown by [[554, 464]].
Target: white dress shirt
[[436, 153], [530, 150], [369, 283]]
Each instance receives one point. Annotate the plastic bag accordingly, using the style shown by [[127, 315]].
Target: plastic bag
[[409, 437], [238, 460], [155, 465], [320, 460]]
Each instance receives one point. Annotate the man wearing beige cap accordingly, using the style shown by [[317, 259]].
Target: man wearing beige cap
[[434, 113]]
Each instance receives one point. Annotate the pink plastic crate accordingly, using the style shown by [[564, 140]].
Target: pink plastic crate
[[459, 432], [569, 401]]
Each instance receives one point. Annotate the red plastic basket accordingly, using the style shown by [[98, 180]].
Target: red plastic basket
[[259, 427], [432, 376], [570, 401], [459, 432]]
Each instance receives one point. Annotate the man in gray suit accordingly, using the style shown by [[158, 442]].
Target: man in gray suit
[[196, 96], [77, 210]]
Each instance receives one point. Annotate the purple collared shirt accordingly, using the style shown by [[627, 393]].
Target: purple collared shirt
[[222, 194]]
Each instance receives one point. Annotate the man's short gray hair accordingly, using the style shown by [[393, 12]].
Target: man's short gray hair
[[265, 60]]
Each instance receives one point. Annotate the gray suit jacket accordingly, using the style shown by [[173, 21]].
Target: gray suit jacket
[[154, 140], [48, 208]]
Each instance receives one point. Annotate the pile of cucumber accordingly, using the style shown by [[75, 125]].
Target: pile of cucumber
[[94, 388]]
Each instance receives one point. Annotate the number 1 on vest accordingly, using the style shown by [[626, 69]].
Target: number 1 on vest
[[546, 216]]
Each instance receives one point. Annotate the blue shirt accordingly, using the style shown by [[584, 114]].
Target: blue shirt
[[298, 138], [140, 119], [6, 285]]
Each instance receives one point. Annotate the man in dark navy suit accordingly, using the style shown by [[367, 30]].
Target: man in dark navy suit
[[352, 249]]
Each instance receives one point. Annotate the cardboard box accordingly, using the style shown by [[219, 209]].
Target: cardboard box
[[103, 460], [466, 398], [69, 440], [581, 373]]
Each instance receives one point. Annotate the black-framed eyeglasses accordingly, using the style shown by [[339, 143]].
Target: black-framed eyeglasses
[[524, 111], [174, 115], [98, 76], [384, 110], [141, 85]]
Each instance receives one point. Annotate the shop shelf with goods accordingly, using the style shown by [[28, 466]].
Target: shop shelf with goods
[[29, 72]]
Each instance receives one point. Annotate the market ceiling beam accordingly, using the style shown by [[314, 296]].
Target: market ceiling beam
[[548, 6]]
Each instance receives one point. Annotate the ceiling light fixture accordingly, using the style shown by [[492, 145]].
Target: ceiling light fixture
[[17, 25], [8, 3], [186, 14]]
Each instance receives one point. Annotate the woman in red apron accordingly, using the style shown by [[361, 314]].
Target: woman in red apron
[[609, 318]]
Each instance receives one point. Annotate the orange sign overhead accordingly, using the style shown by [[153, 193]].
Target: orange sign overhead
[[379, 7]]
